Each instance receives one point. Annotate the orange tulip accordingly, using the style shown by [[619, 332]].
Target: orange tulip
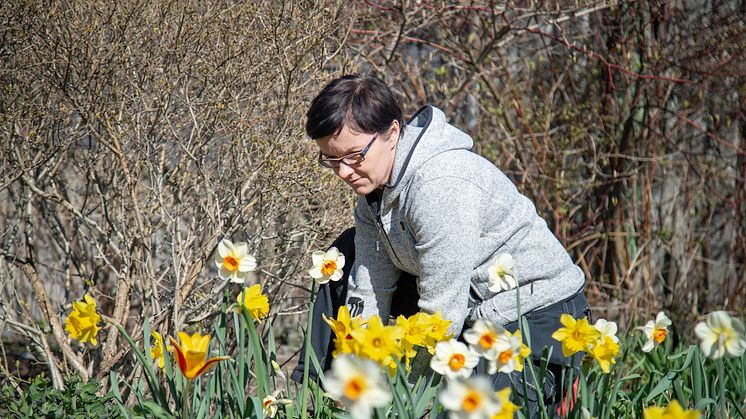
[[192, 354]]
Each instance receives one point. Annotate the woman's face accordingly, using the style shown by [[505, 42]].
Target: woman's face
[[375, 170]]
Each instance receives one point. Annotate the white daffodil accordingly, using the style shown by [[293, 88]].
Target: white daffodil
[[327, 266], [453, 359], [234, 261], [655, 331], [501, 273], [269, 405], [359, 384], [607, 328], [509, 353], [469, 399], [482, 337], [721, 335]]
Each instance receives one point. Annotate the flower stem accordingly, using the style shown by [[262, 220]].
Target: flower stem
[[185, 400], [307, 357], [722, 395]]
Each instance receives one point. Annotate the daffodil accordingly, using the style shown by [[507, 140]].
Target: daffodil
[[342, 327], [721, 335], [507, 409], [358, 384], [192, 353], [278, 371], [436, 329], [607, 328], [509, 353], [576, 335], [482, 337], [469, 399], [604, 350], [254, 302], [453, 359], [234, 261], [327, 266], [501, 273], [414, 333], [156, 351], [269, 405], [672, 411], [82, 322], [378, 342], [655, 331]]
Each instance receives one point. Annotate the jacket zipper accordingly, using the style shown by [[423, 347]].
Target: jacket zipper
[[383, 232]]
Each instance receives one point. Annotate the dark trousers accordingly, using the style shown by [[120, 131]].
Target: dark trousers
[[541, 324]]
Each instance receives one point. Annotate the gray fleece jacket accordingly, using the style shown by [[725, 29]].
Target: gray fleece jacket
[[442, 218]]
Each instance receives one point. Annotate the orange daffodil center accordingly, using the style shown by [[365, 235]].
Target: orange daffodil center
[[230, 263], [328, 268], [354, 388]]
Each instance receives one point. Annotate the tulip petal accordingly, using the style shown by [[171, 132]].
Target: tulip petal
[[180, 358], [209, 364]]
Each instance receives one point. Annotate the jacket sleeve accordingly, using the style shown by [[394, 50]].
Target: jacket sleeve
[[444, 214], [373, 276]]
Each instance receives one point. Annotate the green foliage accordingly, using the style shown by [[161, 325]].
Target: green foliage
[[40, 399]]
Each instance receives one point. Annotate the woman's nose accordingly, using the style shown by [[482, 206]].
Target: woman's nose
[[344, 171]]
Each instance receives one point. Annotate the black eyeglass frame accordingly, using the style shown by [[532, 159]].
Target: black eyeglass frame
[[352, 159]]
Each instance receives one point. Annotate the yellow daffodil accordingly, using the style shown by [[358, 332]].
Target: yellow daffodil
[[327, 266], [501, 273], [655, 331], [482, 337], [358, 384], [82, 322], [721, 335], [378, 342], [156, 351], [234, 261], [453, 359], [342, 327], [576, 336], [672, 411], [436, 329], [414, 333], [604, 350], [192, 353], [254, 302], [509, 353], [472, 398], [507, 409]]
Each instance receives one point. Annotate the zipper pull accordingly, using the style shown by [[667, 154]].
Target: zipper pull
[[377, 248]]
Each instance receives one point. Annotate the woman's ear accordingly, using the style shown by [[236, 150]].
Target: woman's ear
[[395, 130]]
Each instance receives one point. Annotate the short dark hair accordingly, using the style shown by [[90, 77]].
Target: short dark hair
[[365, 103]]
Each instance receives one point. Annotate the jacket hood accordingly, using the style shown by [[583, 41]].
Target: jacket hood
[[426, 135]]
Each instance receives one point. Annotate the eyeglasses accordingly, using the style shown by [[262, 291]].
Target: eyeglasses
[[351, 159]]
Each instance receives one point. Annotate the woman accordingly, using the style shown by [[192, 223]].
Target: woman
[[430, 219]]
